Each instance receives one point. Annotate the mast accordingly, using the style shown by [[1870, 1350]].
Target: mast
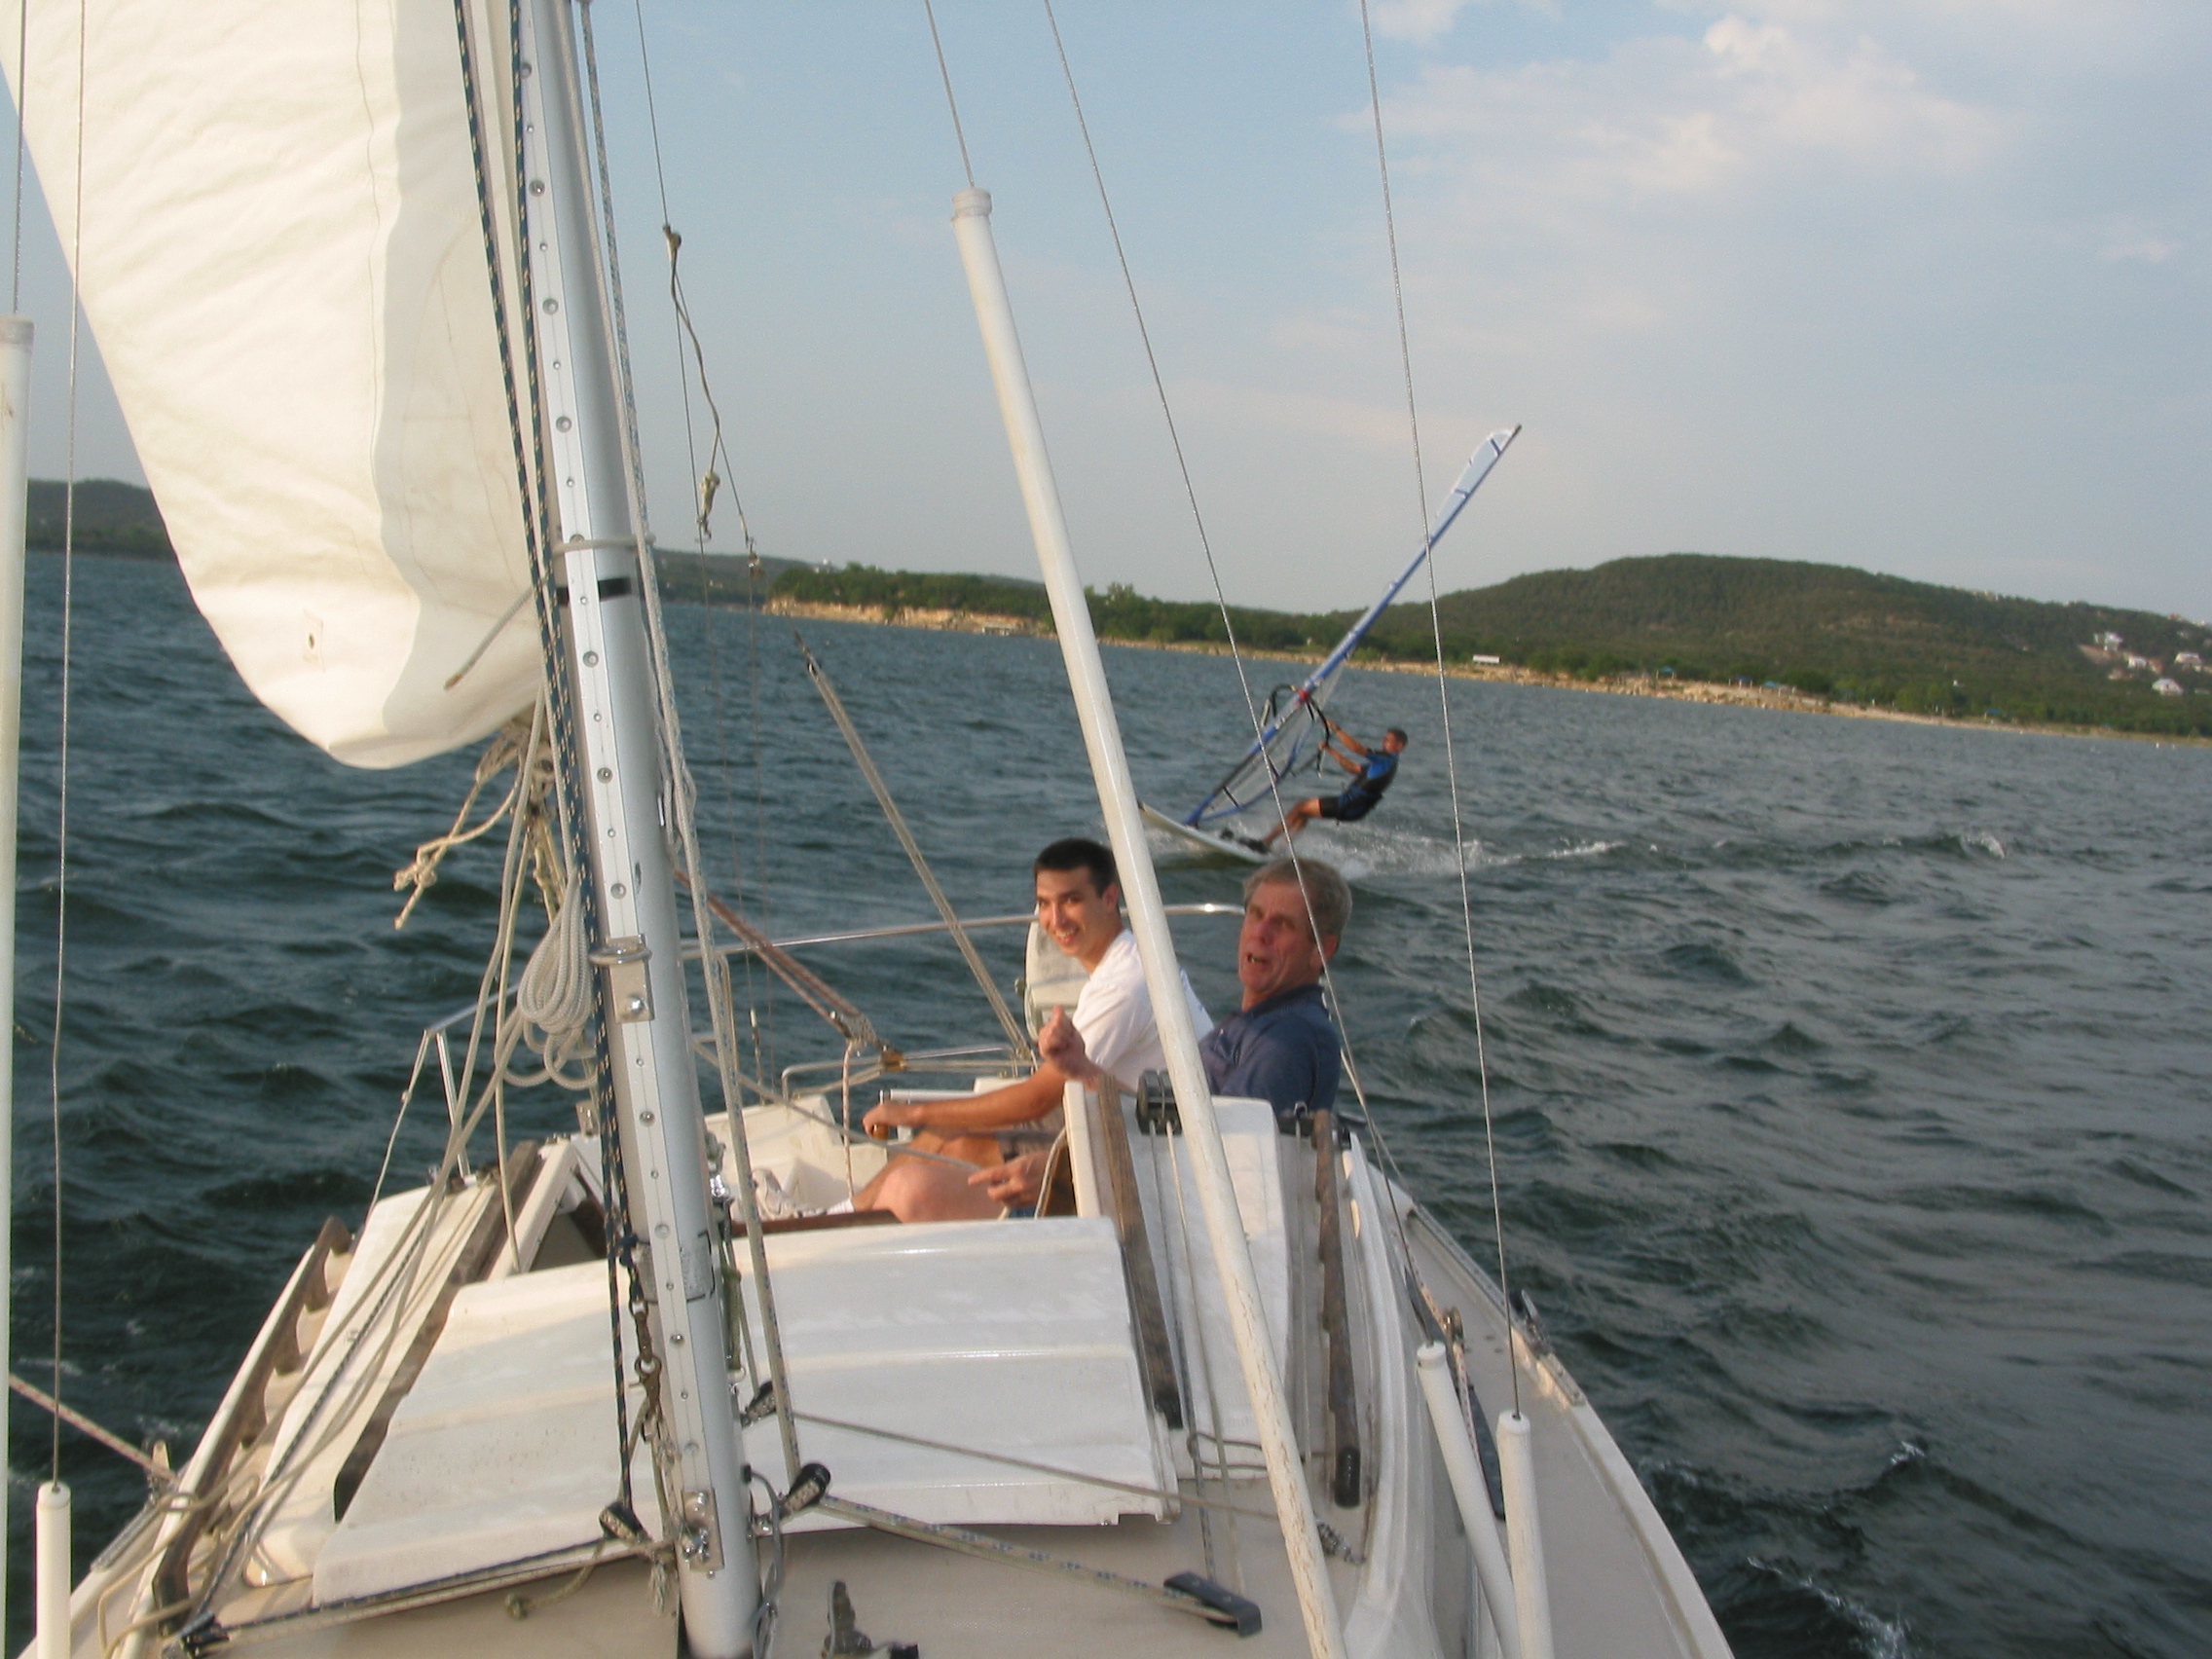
[[618, 764], [1147, 917], [15, 482]]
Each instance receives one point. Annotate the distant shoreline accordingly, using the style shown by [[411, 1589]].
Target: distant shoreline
[[1785, 700]]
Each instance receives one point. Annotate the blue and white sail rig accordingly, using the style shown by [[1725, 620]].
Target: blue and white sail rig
[[1294, 726]]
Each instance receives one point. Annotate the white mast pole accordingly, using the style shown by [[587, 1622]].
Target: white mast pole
[[15, 484], [655, 1079], [1140, 885]]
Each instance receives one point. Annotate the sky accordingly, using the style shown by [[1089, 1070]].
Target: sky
[[1914, 285]]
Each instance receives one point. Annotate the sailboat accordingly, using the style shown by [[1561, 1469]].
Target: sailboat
[[1293, 730], [590, 1394]]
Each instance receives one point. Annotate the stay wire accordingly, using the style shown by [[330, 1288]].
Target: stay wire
[[1167, 414], [959, 136], [1443, 693], [519, 374], [1330, 988], [61, 788], [1152, 364]]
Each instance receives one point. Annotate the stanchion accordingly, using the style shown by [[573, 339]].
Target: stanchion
[[53, 1588], [1525, 1535]]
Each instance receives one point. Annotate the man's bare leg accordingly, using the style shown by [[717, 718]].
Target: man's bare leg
[[978, 1150], [915, 1190], [1301, 813]]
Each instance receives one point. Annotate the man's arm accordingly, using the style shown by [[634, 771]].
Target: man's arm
[[1337, 735], [1062, 1046], [1021, 1102]]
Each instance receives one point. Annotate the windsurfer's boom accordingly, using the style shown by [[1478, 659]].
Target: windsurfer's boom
[[1314, 690]]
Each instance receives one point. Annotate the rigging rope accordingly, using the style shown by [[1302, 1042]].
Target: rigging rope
[[1443, 692], [951, 103], [844, 1016], [1015, 1034], [555, 995], [503, 751], [528, 439], [700, 528], [1152, 363]]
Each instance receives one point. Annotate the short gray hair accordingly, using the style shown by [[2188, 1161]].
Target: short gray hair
[[1328, 896]]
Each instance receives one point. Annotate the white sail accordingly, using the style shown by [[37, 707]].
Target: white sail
[[282, 257]]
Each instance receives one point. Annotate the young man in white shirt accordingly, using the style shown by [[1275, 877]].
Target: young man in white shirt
[[1078, 903]]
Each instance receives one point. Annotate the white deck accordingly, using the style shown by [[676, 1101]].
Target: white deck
[[1010, 1339], [1007, 1336], [503, 1449]]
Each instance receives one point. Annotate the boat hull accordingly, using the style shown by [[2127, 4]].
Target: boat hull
[[1400, 1565]]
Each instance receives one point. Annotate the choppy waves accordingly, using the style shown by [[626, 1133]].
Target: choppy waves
[[1848, 1080]]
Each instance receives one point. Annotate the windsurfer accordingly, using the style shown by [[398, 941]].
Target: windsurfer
[[1280, 1045], [1372, 770], [1078, 903]]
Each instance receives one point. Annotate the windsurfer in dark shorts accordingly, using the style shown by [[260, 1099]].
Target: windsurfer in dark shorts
[[1372, 770]]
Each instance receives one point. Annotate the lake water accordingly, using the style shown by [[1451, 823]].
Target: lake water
[[1853, 1098]]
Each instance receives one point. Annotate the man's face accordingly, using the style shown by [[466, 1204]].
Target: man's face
[[1276, 951], [1081, 920], [1393, 744]]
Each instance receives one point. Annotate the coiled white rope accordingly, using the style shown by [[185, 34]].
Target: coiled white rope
[[553, 999]]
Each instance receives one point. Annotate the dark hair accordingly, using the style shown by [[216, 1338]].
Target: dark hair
[[1398, 732], [1328, 898], [1080, 852]]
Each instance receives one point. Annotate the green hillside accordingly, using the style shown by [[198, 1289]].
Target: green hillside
[[112, 517], [120, 519], [1121, 612], [716, 578], [1830, 630], [1823, 629]]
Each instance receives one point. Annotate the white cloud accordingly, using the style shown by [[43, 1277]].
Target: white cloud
[[2128, 240], [1709, 256], [1666, 116], [1421, 22]]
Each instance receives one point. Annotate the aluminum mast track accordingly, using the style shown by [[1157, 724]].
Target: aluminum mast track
[[1264, 763], [626, 802]]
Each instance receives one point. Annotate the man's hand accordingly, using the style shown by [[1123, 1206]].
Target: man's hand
[[1060, 1046], [1017, 1183], [893, 1115]]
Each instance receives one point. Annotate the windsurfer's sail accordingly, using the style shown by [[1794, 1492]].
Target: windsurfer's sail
[[281, 255], [1293, 726]]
